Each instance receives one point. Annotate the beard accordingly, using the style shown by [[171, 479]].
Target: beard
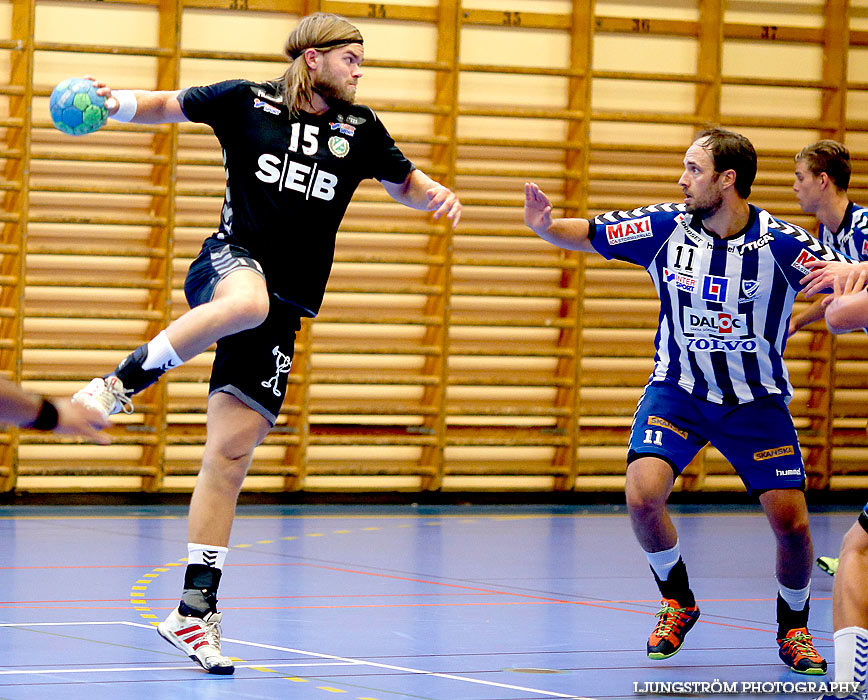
[[334, 93], [707, 206]]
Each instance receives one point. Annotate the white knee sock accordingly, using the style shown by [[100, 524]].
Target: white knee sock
[[662, 562], [851, 655], [161, 354]]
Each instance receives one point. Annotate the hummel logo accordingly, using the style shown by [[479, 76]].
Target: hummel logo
[[209, 557]]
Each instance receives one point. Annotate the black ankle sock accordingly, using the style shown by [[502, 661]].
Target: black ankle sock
[[200, 590], [130, 371], [789, 619], [676, 586]]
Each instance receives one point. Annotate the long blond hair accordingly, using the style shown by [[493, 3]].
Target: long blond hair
[[320, 30]]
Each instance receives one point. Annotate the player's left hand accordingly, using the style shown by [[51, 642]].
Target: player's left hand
[[75, 419], [823, 275], [852, 284], [442, 200]]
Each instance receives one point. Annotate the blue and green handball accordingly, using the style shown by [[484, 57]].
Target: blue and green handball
[[75, 107]]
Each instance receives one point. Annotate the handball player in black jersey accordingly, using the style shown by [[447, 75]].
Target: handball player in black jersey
[[294, 150]]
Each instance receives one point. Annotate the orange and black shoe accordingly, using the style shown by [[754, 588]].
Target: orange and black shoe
[[797, 651], [673, 625]]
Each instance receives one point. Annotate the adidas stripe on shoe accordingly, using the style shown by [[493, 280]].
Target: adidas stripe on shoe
[[198, 638]]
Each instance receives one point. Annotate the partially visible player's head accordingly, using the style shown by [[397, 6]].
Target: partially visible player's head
[[324, 51], [822, 171], [718, 161], [830, 157]]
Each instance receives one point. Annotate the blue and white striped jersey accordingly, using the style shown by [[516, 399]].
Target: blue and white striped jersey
[[851, 238], [725, 304]]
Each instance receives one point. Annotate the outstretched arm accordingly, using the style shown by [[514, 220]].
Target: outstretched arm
[[18, 407], [571, 234], [142, 106], [824, 273], [419, 191], [847, 308]]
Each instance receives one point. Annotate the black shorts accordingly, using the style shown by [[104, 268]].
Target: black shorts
[[253, 365]]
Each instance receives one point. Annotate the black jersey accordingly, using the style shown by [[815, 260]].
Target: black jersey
[[289, 181]]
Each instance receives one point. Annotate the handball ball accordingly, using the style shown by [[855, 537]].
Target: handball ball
[[76, 108]]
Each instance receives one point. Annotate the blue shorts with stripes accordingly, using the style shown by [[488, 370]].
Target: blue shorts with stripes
[[253, 365], [758, 438]]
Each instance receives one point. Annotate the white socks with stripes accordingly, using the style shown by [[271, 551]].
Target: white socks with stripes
[[206, 554], [161, 354], [851, 655]]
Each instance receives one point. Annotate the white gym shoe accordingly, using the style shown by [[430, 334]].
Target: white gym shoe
[[198, 638], [105, 395]]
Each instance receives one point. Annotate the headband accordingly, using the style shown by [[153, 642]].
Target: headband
[[325, 45]]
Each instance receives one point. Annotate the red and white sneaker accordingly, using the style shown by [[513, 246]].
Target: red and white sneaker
[[198, 638], [105, 395]]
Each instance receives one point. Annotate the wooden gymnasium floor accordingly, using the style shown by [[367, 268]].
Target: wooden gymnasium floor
[[387, 602]]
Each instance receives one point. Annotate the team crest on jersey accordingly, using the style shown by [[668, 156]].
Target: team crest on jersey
[[259, 104], [631, 230], [339, 146], [685, 283], [749, 288], [345, 129], [804, 257], [864, 254]]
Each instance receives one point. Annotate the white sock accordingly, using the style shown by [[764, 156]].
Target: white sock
[[851, 655], [795, 597], [662, 562], [207, 554], [161, 354]]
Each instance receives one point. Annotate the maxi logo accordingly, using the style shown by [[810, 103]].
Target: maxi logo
[[702, 322], [631, 230], [291, 175], [714, 288], [805, 256]]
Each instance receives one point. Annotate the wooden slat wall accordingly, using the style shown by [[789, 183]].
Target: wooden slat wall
[[480, 358]]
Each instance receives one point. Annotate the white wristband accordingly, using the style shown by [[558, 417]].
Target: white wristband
[[127, 105]]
